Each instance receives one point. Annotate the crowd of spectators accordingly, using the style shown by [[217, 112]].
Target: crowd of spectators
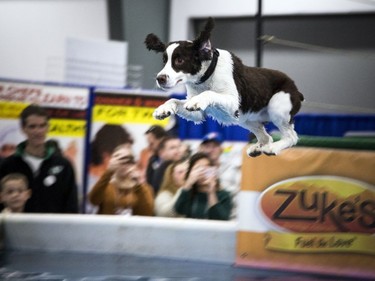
[[167, 178]]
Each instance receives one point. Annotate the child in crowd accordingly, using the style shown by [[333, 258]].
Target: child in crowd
[[120, 189], [14, 192]]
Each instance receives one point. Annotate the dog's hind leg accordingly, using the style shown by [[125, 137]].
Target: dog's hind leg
[[263, 138], [279, 109], [288, 138]]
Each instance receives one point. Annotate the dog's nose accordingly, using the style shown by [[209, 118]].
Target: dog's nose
[[162, 79]]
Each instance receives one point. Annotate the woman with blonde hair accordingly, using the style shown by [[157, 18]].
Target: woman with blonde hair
[[173, 180]]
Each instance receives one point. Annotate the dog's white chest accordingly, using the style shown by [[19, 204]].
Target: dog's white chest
[[221, 115]]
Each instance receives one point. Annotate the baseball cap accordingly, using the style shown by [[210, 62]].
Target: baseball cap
[[213, 137]]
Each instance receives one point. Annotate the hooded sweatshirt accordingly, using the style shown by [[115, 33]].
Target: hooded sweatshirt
[[53, 185]]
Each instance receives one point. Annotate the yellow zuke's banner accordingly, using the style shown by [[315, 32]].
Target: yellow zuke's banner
[[308, 209]]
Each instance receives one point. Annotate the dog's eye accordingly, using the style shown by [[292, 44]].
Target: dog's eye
[[179, 61]]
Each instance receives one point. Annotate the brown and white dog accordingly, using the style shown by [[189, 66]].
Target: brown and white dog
[[219, 85]]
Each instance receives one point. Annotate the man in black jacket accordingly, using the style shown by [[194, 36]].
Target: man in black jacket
[[169, 150], [51, 176]]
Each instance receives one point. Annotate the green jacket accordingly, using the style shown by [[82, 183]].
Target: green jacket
[[194, 205]]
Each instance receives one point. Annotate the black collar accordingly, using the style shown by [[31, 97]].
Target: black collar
[[210, 69]]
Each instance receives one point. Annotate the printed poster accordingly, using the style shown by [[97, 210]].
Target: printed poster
[[309, 209], [67, 108], [119, 117]]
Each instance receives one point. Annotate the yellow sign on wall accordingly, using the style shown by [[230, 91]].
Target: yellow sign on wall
[[67, 128], [125, 114]]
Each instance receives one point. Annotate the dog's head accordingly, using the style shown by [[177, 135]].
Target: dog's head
[[184, 61]]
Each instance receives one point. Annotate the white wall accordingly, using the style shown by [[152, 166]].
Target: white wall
[[197, 240], [182, 11], [32, 32], [327, 79]]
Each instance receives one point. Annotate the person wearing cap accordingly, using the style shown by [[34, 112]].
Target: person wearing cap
[[120, 190], [229, 167], [211, 145]]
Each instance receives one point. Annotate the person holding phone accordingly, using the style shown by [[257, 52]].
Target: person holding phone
[[120, 190], [201, 196]]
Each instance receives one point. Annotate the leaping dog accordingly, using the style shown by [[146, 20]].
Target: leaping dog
[[219, 85]]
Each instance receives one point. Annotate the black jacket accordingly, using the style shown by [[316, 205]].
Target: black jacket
[[54, 189], [155, 172]]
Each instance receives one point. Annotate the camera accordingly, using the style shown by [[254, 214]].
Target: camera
[[210, 172], [127, 160]]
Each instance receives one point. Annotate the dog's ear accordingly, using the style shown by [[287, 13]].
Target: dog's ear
[[202, 42], [154, 43]]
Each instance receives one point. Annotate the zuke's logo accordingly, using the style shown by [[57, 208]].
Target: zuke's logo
[[320, 204]]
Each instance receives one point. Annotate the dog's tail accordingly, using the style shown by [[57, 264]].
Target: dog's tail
[[296, 98], [300, 96]]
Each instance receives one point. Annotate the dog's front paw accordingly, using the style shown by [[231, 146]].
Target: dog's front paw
[[196, 104], [164, 111], [254, 150], [270, 149]]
